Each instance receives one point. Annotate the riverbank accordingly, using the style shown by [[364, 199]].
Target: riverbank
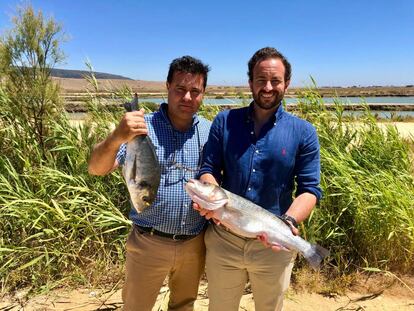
[[72, 86], [227, 103]]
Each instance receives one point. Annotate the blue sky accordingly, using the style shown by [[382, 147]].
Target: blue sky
[[339, 43]]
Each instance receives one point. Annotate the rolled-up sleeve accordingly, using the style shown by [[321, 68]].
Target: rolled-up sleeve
[[120, 156], [213, 150], [307, 169]]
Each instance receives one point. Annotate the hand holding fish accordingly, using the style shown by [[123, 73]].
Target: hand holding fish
[[131, 125], [208, 214]]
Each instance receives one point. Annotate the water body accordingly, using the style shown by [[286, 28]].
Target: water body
[[405, 100], [402, 100]]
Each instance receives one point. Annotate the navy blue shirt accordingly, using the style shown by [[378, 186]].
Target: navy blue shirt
[[264, 169]]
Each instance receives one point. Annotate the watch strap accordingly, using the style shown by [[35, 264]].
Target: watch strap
[[289, 220]]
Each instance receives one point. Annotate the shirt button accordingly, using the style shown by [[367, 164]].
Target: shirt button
[[248, 189], [257, 151], [254, 170], [252, 132], [183, 222]]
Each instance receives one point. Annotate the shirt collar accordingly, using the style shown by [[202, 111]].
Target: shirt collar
[[277, 115], [163, 110]]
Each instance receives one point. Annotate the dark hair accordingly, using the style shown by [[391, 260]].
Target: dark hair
[[188, 64], [266, 53]]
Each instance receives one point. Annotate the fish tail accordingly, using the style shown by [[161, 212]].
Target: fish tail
[[315, 255]]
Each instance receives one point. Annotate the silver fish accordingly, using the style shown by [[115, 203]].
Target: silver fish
[[141, 169], [247, 219]]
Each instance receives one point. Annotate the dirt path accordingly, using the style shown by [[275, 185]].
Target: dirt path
[[90, 299]]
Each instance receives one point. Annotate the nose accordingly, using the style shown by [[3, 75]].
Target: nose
[[187, 96], [268, 86]]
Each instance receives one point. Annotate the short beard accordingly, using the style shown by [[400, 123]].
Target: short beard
[[268, 106]]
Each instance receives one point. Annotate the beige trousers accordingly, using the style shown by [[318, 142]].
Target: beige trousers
[[150, 258], [231, 261]]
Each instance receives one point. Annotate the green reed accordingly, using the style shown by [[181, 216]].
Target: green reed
[[57, 221], [366, 216]]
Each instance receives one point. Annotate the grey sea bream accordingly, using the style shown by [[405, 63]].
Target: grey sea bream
[[141, 169]]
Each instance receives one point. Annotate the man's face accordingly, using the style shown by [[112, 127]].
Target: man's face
[[268, 85], [185, 93]]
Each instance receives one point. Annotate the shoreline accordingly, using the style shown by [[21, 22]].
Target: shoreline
[[80, 106]]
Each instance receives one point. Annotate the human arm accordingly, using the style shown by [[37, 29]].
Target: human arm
[[212, 162], [300, 209], [102, 160], [307, 176], [307, 172]]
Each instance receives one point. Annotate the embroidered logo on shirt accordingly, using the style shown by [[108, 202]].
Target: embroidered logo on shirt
[[283, 151]]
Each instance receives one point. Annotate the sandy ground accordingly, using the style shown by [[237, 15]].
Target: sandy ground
[[406, 129], [93, 299]]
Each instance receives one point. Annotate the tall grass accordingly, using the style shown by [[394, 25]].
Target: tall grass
[[366, 216], [57, 222]]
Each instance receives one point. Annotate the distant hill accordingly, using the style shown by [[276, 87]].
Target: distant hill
[[79, 74]]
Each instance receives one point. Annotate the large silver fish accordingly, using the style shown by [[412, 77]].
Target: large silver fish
[[247, 219], [141, 169]]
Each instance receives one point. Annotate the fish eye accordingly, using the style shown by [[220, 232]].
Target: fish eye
[[143, 184]]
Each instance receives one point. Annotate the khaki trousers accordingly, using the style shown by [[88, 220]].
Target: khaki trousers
[[231, 261], [150, 258]]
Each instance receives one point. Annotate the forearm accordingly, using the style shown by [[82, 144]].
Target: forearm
[[102, 159], [302, 206]]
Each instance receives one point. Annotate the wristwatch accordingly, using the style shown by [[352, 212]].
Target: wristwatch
[[289, 219]]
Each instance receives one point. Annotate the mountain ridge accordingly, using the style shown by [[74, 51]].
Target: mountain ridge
[[80, 74]]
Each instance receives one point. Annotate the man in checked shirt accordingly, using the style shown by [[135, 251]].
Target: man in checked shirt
[[168, 237]]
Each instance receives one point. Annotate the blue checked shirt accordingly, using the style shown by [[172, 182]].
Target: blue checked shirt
[[267, 169], [179, 155]]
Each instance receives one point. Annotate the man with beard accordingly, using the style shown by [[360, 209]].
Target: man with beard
[[263, 154]]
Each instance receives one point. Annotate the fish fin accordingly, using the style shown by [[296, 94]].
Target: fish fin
[[134, 169], [315, 255]]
